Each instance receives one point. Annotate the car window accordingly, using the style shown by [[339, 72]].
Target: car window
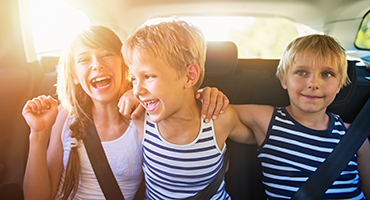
[[255, 37], [53, 24], [363, 35]]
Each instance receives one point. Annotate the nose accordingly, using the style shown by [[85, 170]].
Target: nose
[[96, 64], [314, 82], [138, 88]]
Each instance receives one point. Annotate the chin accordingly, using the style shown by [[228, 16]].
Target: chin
[[155, 118]]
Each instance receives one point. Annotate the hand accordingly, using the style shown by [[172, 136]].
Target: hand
[[40, 113], [129, 106], [214, 103]]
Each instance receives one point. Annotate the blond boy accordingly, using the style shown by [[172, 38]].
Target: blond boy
[[182, 153], [298, 138]]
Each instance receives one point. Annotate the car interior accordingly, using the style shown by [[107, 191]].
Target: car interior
[[248, 80]]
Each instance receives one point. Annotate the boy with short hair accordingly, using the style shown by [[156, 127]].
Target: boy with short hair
[[182, 153], [299, 137]]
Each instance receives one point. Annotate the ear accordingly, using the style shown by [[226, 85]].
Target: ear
[[192, 75], [339, 88], [282, 82], [75, 80]]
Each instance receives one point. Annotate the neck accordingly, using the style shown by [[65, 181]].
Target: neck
[[106, 115], [182, 127], [315, 120]]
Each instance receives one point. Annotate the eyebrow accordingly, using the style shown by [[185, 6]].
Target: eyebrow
[[83, 53]]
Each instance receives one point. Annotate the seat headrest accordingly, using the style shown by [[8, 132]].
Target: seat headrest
[[221, 59], [49, 63], [346, 93]]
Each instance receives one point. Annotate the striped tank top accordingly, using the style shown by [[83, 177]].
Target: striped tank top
[[291, 152], [179, 171]]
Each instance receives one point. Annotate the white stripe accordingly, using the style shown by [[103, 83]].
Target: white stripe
[[277, 167], [286, 178], [284, 120], [348, 182], [282, 187], [295, 153], [305, 135], [301, 144], [307, 167], [276, 195], [281, 112], [341, 190], [339, 132]]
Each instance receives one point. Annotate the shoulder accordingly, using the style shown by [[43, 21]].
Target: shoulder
[[57, 129], [228, 116], [63, 114]]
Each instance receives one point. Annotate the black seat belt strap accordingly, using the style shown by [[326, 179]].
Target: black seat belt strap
[[99, 162], [325, 175]]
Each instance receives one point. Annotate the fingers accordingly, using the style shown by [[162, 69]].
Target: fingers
[[127, 105], [40, 104], [222, 104], [204, 95], [214, 103], [137, 112], [209, 102]]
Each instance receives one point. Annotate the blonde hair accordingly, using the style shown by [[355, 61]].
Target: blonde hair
[[176, 42], [325, 49], [74, 98]]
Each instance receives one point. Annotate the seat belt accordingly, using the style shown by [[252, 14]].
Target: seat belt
[[99, 162], [108, 182], [211, 189], [325, 175]]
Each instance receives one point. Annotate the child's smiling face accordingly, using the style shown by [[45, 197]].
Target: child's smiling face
[[99, 72], [311, 85], [158, 86]]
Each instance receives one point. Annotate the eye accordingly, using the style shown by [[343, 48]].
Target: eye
[[132, 78], [327, 74], [108, 54], [148, 76], [83, 60], [301, 73]]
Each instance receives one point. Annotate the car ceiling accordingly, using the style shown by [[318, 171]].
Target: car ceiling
[[340, 18]]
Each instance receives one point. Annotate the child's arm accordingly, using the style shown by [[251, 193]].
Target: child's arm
[[363, 167], [236, 130], [256, 118], [214, 103], [40, 114]]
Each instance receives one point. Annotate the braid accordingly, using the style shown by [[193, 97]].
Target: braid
[[78, 128]]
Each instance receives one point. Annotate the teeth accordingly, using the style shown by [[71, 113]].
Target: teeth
[[100, 79], [149, 102]]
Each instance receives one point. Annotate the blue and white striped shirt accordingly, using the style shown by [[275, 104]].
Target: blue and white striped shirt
[[291, 152], [180, 171]]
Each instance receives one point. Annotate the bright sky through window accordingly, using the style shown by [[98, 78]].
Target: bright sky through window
[[54, 23], [215, 28]]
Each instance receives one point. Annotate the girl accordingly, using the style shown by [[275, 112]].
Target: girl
[[91, 78]]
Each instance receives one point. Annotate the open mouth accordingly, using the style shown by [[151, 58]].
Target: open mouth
[[150, 105], [101, 82]]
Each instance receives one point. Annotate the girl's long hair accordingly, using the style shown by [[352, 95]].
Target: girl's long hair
[[76, 101]]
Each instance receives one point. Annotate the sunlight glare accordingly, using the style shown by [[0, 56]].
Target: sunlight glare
[[54, 23], [217, 28]]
